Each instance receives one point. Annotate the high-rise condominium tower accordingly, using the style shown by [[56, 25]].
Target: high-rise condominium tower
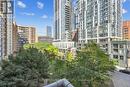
[[6, 21], [62, 20], [99, 21]]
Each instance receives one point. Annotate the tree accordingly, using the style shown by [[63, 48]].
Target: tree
[[44, 47], [94, 64], [90, 67], [27, 69]]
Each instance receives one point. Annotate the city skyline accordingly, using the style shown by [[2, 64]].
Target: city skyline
[[39, 13], [85, 41]]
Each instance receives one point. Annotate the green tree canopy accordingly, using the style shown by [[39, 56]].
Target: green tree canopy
[[27, 69], [91, 66], [44, 47]]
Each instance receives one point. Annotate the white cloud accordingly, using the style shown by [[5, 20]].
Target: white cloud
[[124, 1], [21, 4], [40, 5], [28, 14], [44, 16], [124, 11]]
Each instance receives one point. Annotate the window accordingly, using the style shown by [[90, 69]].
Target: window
[[121, 58], [115, 56], [115, 50], [121, 46], [115, 45]]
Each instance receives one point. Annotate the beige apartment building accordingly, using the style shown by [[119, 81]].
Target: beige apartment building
[[26, 34]]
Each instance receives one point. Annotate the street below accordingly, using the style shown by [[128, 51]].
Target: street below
[[120, 79]]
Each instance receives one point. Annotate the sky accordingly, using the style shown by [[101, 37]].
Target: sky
[[126, 9], [39, 13]]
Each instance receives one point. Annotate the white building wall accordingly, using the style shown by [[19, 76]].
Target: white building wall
[[100, 20], [1, 38], [62, 20], [6, 28], [9, 34]]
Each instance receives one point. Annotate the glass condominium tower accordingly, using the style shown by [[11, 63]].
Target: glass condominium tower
[[99, 21], [6, 26], [62, 20]]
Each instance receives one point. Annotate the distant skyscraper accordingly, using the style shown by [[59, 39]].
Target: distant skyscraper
[[49, 31], [6, 21], [62, 20], [99, 21]]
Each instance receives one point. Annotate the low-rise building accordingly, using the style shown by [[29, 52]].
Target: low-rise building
[[45, 39], [65, 47], [120, 51], [128, 58]]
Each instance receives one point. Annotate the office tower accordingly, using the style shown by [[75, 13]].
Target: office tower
[[49, 31], [26, 35], [6, 21], [62, 20], [99, 21], [126, 30]]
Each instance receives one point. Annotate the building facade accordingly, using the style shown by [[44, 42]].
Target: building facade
[[15, 37], [6, 26], [126, 30], [121, 52], [62, 20], [49, 31], [99, 21], [64, 46], [26, 35], [45, 39]]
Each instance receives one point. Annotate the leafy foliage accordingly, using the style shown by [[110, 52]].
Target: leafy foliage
[[91, 67], [69, 56], [39, 61], [27, 69], [44, 47]]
